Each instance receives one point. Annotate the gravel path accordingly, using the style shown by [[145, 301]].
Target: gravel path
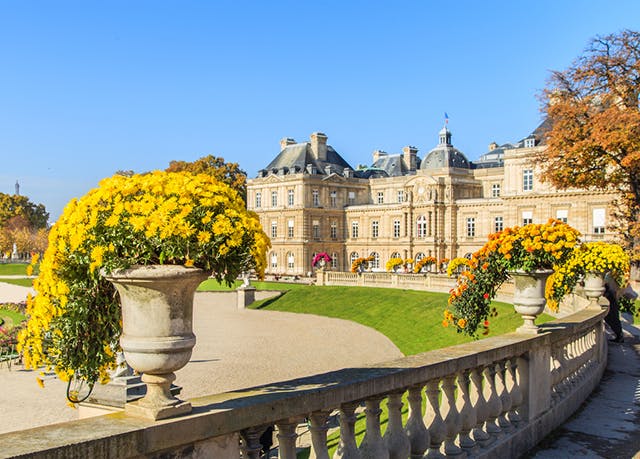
[[235, 349]]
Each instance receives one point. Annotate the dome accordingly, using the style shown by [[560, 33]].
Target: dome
[[445, 154]]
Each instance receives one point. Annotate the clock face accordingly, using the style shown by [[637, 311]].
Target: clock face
[[420, 190]]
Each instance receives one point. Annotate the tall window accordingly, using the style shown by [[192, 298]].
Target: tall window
[[334, 230], [562, 215], [422, 226], [375, 228], [274, 260], [471, 227], [527, 217], [495, 190], [380, 197], [290, 198], [316, 198], [527, 180], [354, 229], [274, 229], [375, 264], [290, 229], [498, 224], [290, 260], [274, 199], [351, 198], [258, 200], [316, 229], [400, 195], [334, 260], [419, 256], [598, 221], [333, 199], [353, 257], [396, 228]]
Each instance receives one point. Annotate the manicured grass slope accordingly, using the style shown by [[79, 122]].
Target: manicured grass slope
[[20, 282], [11, 318], [13, 269], [412, 320]]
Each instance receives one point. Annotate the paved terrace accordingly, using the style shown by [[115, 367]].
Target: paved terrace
[[224, 359]]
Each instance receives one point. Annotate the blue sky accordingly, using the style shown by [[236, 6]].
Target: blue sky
[[88, 88]]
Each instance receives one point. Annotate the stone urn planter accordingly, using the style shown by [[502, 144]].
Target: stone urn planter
[[528, 297], [157, 335], [594, 286]]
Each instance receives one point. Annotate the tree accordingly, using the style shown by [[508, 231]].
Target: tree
[[594, 136], [229, 173], [17, 205]]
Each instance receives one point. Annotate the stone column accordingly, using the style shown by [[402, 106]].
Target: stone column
[[246, 296]]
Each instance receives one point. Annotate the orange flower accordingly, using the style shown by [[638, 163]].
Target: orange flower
[[445, 323], [462, 323]]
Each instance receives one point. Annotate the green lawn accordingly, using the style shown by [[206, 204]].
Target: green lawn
[[20, 282], [11, 318], [13, 269], [411, 319]]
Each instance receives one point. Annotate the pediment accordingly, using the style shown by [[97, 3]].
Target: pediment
[[334, 177]]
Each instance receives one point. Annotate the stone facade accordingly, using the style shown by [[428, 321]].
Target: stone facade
[[311, 200]]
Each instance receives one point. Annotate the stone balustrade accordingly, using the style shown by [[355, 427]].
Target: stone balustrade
[[495, 397]]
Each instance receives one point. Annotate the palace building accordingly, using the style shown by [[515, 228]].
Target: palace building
[[311, 200]]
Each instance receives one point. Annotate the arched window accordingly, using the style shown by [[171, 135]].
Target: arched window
[[354, 256], [421, 230], [395, 255], [290, 260], [419, 256], [375, 264]]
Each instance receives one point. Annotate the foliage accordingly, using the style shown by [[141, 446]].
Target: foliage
[[594, 137], [394, 263], [229, 173], [426, 261], [360, 264], [36, 215], [157, 218], [590, 257], [456, 264], [527, 248], [320, 256]]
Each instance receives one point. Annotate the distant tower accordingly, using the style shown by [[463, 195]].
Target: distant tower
[[17, 188]]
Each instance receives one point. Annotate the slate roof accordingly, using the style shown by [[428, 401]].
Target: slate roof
[[393, 165], [295, 158]]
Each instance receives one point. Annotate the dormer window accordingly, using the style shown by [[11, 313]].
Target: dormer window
[[529, 143]]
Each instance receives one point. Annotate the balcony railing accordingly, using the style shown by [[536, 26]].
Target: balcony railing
[[495, 397]]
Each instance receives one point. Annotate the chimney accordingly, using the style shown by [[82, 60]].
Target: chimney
[[409, 156], [286, 141], [493, 146], [377, 154], [319, 146]]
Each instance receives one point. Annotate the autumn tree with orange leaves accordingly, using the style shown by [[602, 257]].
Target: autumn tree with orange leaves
[[229, 173], [594, 137]]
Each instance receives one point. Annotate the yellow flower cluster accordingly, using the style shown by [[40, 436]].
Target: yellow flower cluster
[[455, 264], [155, 218], [426, 261], [394, 263], [360, 263]]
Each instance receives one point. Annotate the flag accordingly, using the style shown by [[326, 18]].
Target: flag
[[446, 118]]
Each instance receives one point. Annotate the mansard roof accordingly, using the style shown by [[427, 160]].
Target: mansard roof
[[445, 154], [393, 165], [296, 158]]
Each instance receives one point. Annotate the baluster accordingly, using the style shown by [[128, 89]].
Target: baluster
[[433, 419], [319, 428], [505, 397], [395, 438], [516, 390], [347, 448], [556, 376], [372, 446], [467, 413], [493, 402], [481, 407], [452, 420], [287, 437], [251, 442], [415, 428]]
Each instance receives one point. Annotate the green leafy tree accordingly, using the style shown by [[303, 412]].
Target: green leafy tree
[[594, 137], [17, 205], [229, 173]]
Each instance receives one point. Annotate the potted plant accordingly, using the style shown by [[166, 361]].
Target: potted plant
[[393, 264], [425, 262], [528, 255], [320, 260], [360, 264], [155, 236]]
